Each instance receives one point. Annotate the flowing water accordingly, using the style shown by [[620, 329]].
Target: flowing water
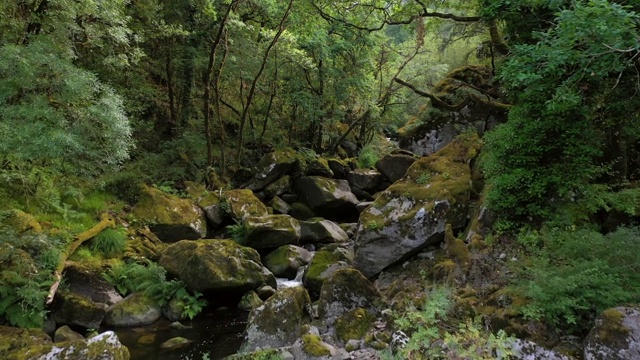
[[214, 335]]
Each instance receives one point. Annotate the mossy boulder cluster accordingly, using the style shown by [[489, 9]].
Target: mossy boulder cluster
[[413, 212]]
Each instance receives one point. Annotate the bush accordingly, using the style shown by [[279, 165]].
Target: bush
[[368, 157], [26, 273], [430, 340], [238, 232], [572, 275], [110, 242]]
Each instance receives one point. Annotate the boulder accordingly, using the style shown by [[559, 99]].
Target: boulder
[[301, 211], [271, 167], [319, 167], [137, 309], [285, 261], [242, 203], [278, 187], [207, 264], [325, 262], [339, 168], [395, 166], [365, 179], [277, 322], [328, 198], [344, 291], [271, 231], [105, 346], [249, 301], [76, 310], [528, 350], [214, 211], [90, 283], [412, 213], [175, 344], [279, 206], [322, 231], [174, 309], [64, 333], [615, 336], [15, 341], [170, 217]]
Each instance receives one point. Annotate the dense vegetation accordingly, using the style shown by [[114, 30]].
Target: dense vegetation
[[98, 97]]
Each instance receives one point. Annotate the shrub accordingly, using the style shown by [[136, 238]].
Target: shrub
[[572, 275], [27, 263], [238, 232], [430, 340], [110, 242], [368, 157]]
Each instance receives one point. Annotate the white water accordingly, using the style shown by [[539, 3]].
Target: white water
[[285, 283]]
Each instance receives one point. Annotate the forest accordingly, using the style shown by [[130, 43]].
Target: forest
[[104, 104]]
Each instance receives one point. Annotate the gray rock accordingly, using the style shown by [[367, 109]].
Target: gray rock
[[210, 264], [528, 350], [90, 284], [285, 261], [615, 336], [277, 322], [322, 231], [412, 213], [76, 310], [365, 179], [279, 206], [136, 309], [105, 346], [328, 198], [271, 167], [319, 167], [395, 166], [271, 231]]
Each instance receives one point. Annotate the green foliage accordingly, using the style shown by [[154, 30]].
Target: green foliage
[[238, 232], [151, 279], [126, 185], [423, 179], [572, 275], [430, 340], [368, 157], [27, 262], [110, 242], [570, 128]]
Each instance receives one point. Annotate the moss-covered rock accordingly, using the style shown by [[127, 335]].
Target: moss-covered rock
[[64, 333], [249, 301], [271, 231], [395, 166], [89, 282], [271, 167], [322, 231], [325, 262], [354, 324], [21, 222], [277, 322], [175, 343], [170, 217], [347, 290], [328, 198], [136, 309], [434, 128], [285, 261], [242, 203], [314, 346], [279, 206], [616, 335], [278, 187], [73, 309], [207, 264], [412, 213], [301, 211], [340, 168], [318, 167], [32, 344]]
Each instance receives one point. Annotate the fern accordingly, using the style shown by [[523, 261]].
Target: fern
[[109, 242]]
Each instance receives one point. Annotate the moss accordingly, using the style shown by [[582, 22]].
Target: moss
[[244, 203], [455, 247], [325, 258], [314, 346], [354, 324], [21, 222], [612, 329]]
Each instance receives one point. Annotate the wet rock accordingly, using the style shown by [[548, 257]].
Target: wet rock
[[395, 166], [412, 213], [173, 310], [207, 264], [170, 217], [277, 322], [271, 231], [76, 310], [325, 262], [285, 261], [105, 346], [136, 309], [175, 343], [615, 336], [271, 167], [328, 198], [322, 231]]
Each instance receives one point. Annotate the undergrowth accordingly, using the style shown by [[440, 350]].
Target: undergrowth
[[109, 242]]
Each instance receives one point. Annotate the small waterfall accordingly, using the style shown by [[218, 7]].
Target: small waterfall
[[297, 281]]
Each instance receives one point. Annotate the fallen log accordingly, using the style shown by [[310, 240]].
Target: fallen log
[[106, 221]]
